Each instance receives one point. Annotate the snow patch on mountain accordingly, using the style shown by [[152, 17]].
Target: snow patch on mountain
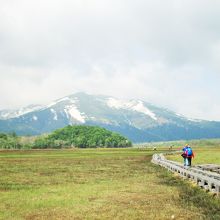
[[179, 115], [50, 105], [7, 114], [35, 118], [71, 110], [63, 99], [188, 119], [75, 113], [60, 100], [67, 113], [141, 108], [194, 120], [131, 105], [54, 114]]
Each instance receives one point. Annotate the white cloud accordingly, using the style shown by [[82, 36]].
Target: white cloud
[[166, 52]]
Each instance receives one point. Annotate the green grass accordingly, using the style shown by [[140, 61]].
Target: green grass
[[191, 195], [93, 184], [206, 155], [201, 143]]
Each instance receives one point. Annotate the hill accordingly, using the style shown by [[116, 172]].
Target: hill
[[136, 119], [82, 137]]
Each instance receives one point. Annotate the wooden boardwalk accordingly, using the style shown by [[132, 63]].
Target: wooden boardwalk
[[202, 175]]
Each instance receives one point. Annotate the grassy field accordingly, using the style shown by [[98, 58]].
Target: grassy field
[[206, 152], [96, 184], [202, 156]]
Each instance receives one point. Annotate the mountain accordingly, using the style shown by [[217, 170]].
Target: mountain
[[8, 113], [138, 120]]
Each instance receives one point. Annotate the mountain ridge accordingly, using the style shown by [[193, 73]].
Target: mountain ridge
[[136, 119]]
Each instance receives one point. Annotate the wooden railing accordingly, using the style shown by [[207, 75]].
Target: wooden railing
[[205, 179]]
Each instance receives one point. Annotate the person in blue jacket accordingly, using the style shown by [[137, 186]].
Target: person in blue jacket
[[189, 155]]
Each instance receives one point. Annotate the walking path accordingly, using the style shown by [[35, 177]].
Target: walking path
[[202, 175]]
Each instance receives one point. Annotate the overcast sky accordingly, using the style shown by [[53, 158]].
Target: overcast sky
[[163, 52]]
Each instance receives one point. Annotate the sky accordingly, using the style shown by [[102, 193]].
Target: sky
[[162, 52]]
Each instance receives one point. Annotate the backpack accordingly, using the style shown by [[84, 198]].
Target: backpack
[[183, 155], [189, 152]]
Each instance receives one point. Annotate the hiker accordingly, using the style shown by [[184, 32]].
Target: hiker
[[184, 155], [189, 155]]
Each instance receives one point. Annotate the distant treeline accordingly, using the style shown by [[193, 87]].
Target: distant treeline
[[70, 136]]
